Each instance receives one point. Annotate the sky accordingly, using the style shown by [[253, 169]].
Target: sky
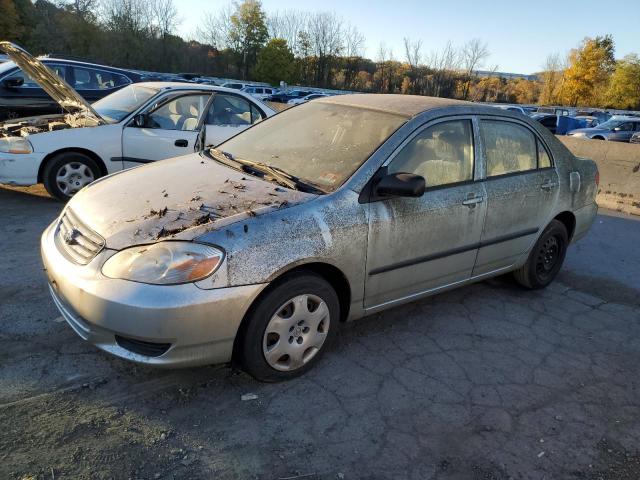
[[520, 35]]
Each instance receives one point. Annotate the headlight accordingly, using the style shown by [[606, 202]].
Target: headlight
[[164, 263], [15, 145]]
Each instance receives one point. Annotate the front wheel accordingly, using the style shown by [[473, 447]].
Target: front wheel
[[67, 173], [290, 327], [546, 257]]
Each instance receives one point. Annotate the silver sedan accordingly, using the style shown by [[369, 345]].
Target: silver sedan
[[256, 250]]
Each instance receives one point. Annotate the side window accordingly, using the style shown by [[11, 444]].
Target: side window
[[544, 161], [90, 79], [626, 127], [28, 82], [442, 154], [181, 113], [509, 147], [230, 110], [108, 80]]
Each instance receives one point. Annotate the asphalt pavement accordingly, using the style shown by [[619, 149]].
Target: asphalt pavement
[[486, 382]]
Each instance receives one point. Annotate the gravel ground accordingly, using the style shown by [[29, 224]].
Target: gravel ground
[[485, 382]]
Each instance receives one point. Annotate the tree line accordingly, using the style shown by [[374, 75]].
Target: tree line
[[320, 49]]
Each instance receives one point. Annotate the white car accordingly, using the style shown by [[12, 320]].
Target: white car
[[298, 101], [260, 92], [140, 123]]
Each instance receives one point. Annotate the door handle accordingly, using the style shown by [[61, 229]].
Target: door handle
[[548, 185], [181, 143], [471, 202]]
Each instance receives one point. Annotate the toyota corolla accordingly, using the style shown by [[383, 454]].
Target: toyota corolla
[[258, 249]]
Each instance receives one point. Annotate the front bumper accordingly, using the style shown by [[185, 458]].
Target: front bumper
[[20, 169], [196, 326]]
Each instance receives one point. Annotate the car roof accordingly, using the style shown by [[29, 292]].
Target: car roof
[[406, 105], [47, 59]]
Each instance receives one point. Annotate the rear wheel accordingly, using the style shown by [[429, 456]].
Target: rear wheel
[[290, 327], [67, 173], [546, 257]]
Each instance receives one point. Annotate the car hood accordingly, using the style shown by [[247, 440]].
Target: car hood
[[56, 87], [180, 198]]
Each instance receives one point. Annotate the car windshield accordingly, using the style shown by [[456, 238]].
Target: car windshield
[[115, 107], [320, 143]]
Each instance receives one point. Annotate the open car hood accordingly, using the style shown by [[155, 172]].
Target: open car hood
[[56, 87]]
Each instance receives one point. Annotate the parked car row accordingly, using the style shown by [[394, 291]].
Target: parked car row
[[592, 124]]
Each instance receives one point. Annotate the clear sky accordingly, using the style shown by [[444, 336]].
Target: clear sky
[[519, 34]]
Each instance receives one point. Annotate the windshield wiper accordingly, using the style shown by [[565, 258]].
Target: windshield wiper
[[279, 175]]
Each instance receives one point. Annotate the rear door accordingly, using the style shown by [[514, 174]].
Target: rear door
[[420, 244], [170, 129], [229, 115], [95, 83], [521, 186]]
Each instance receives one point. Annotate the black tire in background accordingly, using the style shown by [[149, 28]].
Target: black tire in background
[[251, 349], [83, 167], [546, 257]]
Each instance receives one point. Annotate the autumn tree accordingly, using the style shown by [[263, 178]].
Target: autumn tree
[[275, 62], [248, 33], [590, 66], [624, 89]]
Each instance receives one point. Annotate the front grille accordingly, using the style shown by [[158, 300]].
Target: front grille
[[148, 349], [76, 241]]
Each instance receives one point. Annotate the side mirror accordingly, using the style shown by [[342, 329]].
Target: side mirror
[[13, 82], [401, 185], [140, 120]]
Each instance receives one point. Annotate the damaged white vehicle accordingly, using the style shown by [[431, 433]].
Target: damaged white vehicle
[[141, 123]]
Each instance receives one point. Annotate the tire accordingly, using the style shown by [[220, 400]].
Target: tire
[[269, 356], [545, 259], [78, 169]]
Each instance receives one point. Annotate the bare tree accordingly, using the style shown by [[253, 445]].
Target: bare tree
[[215, 29], [164, 17], [325, 32], [288, 24], [552, 77], [413, 53], [474, 52]]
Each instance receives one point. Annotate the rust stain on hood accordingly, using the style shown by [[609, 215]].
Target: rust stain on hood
[[179, 198]]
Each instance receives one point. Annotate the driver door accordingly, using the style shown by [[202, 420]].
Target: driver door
[[417, 245], [229, 115], [168, 129]]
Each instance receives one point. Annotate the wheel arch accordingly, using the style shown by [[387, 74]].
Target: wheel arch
[[332, 274], [568, 219], [94, 156]]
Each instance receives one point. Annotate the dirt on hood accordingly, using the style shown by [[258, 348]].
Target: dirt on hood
[[179, 198]]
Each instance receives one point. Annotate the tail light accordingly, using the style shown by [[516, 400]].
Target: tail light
[[597, 178]]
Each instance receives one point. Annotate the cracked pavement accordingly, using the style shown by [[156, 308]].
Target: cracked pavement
[[485, 382]]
